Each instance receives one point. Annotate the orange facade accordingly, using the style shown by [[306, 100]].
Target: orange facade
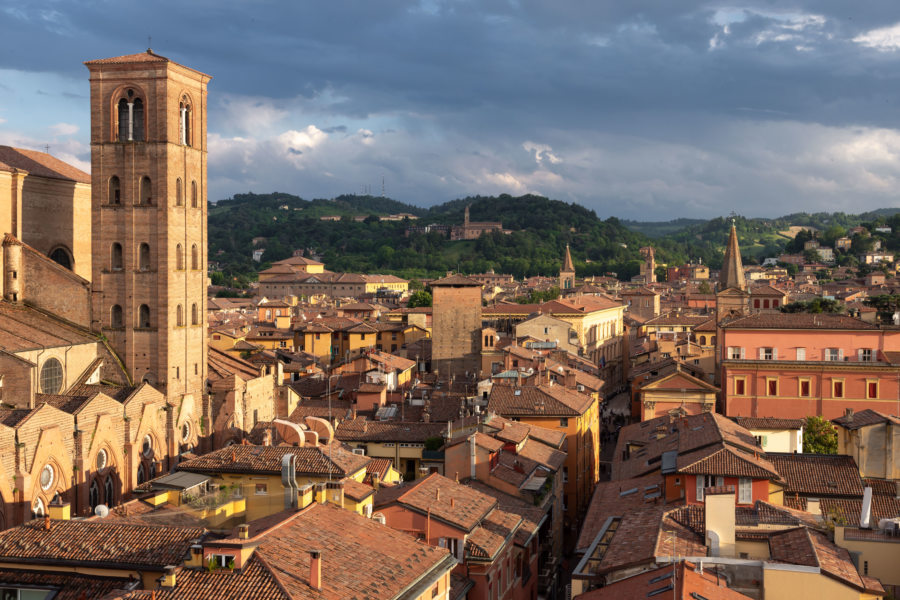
[[794, 373]]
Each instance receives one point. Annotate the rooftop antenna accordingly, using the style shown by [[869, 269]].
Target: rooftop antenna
[[149, 44], [382, 186], [47, 148]]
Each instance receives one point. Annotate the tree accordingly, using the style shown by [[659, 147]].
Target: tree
[[419, 298], [819, 436], [704, 288]]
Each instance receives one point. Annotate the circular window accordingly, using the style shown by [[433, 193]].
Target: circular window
[[147, 447], [186, 431], [47, 477], [51, 376], [37, 507], [101, 460]]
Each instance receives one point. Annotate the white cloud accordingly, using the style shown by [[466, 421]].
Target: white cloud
[[883, 39], [541, 152], [63, 129]]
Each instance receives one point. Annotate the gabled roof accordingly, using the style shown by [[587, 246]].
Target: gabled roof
[[539, 401], [455, 281], [317, 461], [779, 320], [678, 380], [864, 418], [40, 164], [726, 461], [451, 502], [818, 474], [768, 423]]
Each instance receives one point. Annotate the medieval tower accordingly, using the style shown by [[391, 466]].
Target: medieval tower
[[567, 273], [148, 216]]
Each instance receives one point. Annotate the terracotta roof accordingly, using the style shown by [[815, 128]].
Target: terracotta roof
[[818, 474], [728, 462], [41, 164], [803, 546], [468, 508], [456, 281], [148, 56], [543, 455], [779, 320], [532, 516], [360, 558], [541, 400], [67, 586], [23, 328], [768, 423], [552, 437], [315, 461], [864, 418], [355, 490], [689, 584], [486, 542], [98, 544], [848, 510], [363, 430]]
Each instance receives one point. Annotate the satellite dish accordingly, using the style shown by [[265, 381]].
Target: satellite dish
[[101, 510]]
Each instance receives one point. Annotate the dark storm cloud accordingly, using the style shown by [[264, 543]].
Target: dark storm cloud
[[659, 104]]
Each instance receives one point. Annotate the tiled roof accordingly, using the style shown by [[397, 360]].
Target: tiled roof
[[456, 281], [311, 460], [486, 541], [657, 583], [532, 515], [355, 490], [848, 510], [543, 455], [779, 320], [466, 511], [726, 461], [541, 400], [803, 546], [148, 56], [68, 586], [23, 328], [768, 423], [818, 474], [98, 543], [864, 418], [363, 430], [360, 558], [41, 164]]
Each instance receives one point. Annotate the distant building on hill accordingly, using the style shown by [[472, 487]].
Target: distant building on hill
[[472, 230]]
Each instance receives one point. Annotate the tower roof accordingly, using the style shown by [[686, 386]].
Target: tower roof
[[141, 57], [732, 274], [568, 267]]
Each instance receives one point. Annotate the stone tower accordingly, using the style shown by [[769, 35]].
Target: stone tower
[[648, 267], [567, 273], [732, 297], [148, 215], [456, 327]]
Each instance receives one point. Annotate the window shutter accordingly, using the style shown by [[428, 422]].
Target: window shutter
[[700, 484], [840, 354], [742, 353], [762, 353], [859, 355], [774, 353]]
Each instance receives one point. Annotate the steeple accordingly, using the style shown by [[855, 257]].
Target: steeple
[[567, 263], [732, 273], [567, 273]]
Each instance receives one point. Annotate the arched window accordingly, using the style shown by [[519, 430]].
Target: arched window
[[195, 257], [115, 190], [147, 446], [62, 257], [179, 257], [138, 120], [141, 474], [94, 495], [193, 194], [146, 191], [115, 316], [185, 122], [109, 492], [37, 507], [144, 257], [179, 316], [144, 316], [179, 198], [115, 258], [702, 340], [124, 120], [195, 316]]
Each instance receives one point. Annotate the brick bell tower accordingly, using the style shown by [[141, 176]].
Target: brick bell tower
[[148, 213]]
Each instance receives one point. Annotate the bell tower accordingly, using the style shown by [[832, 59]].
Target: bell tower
[[148, 216]]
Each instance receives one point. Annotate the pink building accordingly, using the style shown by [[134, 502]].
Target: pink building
[[792, 365]]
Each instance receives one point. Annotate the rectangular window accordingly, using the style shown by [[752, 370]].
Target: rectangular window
[[740, 386], [565, 474], [761, 440], [837, 388], [701, 485], [261, 488], [735, 353], [772, 386], [768, 354], [745, 490], [564, 422], [801, 353], [865, 355], [803, 390], [834, 354], [871, 388]]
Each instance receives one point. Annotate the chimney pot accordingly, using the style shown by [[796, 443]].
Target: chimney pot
[[47, 522], [244, 531], [315, 570]]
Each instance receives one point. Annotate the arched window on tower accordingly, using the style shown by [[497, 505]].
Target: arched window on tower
[[179, 257], [195, 314], [138, 120], [144, 316], [94, 494], [179, 316], [109, 496], [185, 122], [115, 316], [61, 256], [115, 258], [146, 191], [194, 194], [115, 191], [195, 257], [124, 120], [179, 198], [144, 257]]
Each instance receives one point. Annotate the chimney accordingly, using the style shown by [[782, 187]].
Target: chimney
[[452, 502], [865, 517], [46, 522], [848, 414], [376, 481], [196, 559], [267, 437], [168, 578], [315, 570], [244, 531], [59, 510], [437, 495], [719, 520], [813, 507]]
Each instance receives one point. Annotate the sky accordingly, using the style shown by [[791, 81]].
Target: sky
[[640, 110]]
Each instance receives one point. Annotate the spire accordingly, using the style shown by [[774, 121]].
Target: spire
[[568, 267], [732, 274]]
